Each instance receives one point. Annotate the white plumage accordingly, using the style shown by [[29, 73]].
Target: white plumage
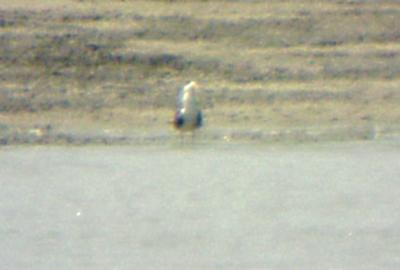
[[188, 116]]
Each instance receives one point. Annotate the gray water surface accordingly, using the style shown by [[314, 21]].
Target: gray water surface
[[331, 206]]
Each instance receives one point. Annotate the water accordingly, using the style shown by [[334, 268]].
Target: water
[[330, 206]]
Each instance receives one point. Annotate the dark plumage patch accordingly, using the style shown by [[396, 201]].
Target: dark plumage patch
[[199, 120], [179, 120]]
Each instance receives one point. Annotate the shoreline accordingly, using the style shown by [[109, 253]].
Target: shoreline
[[43, 136]]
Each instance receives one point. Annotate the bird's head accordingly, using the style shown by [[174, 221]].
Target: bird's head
[[191, 85]]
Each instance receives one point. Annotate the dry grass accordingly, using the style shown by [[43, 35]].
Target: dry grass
[[90, 66]]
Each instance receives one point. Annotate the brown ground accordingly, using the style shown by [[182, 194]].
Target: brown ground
[[108, 71]]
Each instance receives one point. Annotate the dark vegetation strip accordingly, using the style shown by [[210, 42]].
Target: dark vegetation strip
[[305, 29], [13, 102], [98, 49]]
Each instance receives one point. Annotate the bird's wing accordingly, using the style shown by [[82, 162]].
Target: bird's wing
[[180, 99]]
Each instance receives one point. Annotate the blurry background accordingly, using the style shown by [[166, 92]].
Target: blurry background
[[108, 71]]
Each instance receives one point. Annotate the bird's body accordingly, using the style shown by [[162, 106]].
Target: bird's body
[[188, 116]]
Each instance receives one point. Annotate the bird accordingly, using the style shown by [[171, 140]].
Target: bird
[[188, 115]]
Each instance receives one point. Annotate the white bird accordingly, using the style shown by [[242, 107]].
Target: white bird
[[188, 116]]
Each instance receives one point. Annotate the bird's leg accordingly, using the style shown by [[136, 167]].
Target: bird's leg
[[193, 136], [181, 138]]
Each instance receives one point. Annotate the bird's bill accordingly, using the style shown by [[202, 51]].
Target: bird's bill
[[195, 84]]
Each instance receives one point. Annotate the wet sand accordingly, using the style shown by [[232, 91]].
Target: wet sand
[[225, 206]]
